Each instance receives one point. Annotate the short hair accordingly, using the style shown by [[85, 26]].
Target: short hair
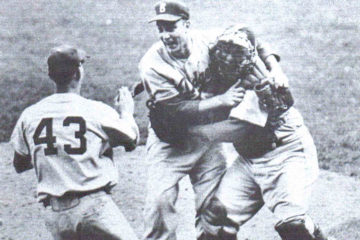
[[64, 62]]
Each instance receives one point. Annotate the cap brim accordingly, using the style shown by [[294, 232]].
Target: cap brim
[[165, 17]]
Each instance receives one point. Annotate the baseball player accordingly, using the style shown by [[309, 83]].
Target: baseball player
[[175, 102], [68, 139], [278, 161]]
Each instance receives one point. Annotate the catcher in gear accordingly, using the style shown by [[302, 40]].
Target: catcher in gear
[[174, 104], [277, 162], [234, 58]]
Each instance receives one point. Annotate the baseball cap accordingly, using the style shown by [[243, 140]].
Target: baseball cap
[[64, 60], [170, 10]]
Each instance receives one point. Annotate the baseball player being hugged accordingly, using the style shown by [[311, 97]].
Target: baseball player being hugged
[[175, 104], [68, 139], [277, 161]]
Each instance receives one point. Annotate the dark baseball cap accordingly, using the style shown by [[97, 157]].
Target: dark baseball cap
[[171, 11], [65, 59]]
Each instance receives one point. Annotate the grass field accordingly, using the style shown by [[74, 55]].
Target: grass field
[[317, 40]]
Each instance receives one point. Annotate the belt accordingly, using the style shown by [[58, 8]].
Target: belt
[[70, 199]]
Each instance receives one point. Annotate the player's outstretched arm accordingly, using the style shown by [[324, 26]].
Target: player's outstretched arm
[[229, 130], [22, 163], [123, 131], [271, 59], [280, 79], [231, 98], [190, 110]]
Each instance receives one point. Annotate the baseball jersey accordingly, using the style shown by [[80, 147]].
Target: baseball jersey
[[65, 137], [167, 78], [164, 77]]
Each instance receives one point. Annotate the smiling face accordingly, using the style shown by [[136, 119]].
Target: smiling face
[[174, 35]]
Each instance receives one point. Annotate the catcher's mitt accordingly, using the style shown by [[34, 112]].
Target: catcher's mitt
[[235, 57], [273, 100]]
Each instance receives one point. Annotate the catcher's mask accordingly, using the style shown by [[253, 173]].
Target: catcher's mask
[[233, 56]]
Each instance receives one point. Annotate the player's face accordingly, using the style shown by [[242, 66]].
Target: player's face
[[174, 37], [230, 66]]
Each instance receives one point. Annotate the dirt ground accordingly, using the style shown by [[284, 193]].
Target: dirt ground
[[334, 205]]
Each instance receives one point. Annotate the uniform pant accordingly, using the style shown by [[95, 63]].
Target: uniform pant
[[97, 217], [167, 165], [281, 180]]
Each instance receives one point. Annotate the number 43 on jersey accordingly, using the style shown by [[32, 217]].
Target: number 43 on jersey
[[46, 124]]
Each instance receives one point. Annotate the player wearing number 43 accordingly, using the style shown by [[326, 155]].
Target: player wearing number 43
[[69, 140]]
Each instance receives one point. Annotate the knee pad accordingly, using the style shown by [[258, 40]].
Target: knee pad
[[299, 228]]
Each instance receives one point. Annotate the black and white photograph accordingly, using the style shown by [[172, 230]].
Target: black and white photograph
[[180, 120]]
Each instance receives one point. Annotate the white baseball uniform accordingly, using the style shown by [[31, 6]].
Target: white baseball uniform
[[164, 78], [281, 178], [275, 167], [65, 135]]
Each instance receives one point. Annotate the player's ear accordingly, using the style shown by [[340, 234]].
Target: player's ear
[[79, 74]]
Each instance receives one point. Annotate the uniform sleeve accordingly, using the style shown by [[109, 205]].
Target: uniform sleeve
[[18, 138], [158, 86], [191, 113], [126, 129], [161, 80], [264, 50]]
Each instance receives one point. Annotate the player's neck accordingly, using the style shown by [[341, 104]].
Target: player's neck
[[67, 89]]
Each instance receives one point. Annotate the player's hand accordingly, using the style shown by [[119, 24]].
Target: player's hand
[[124, 102], [256, 75], [233, 96]]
